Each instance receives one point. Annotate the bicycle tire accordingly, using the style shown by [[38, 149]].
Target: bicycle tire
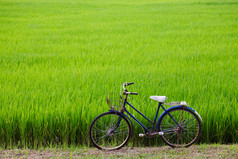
[[101, 135], [183, 136]]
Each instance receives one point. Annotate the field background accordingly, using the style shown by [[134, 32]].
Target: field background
[[59, 59]]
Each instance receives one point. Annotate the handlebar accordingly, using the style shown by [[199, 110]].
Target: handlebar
[[125, 91], [127, 84], [133, 93]]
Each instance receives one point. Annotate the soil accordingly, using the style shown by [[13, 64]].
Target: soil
[[195, 151]]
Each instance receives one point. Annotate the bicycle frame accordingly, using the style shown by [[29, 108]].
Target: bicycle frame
[[166, 111], [153, 123]]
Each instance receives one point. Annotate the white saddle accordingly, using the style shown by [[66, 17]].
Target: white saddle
[[159, 98]]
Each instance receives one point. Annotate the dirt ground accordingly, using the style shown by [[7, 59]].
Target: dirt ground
[[195, 151]]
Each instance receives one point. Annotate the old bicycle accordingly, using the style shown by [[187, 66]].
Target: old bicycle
[[178, 126]]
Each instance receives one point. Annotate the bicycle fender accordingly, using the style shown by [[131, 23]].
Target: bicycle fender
[[132, 126], [180, 106], [195, 113]]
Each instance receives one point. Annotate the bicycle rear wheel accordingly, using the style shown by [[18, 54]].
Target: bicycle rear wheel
[[183, 134], [110, 131]]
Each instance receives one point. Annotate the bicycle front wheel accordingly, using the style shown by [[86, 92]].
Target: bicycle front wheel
[[110, 131], [183, 133]]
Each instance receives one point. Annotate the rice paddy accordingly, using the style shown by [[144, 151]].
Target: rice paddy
[[59, 59]]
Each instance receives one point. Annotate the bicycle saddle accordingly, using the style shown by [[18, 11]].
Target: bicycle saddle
[[159, 98]]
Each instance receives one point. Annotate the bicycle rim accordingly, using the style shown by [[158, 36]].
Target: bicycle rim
[[105, 135], [184, 134]]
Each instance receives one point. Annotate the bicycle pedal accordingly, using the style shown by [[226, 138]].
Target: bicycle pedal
[[141, 135]]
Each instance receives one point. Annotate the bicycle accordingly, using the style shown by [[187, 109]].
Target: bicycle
[[178, 126]]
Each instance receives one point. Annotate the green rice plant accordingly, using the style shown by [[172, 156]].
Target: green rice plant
[[59, 59]]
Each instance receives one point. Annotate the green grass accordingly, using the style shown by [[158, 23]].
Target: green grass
[[59, 59]]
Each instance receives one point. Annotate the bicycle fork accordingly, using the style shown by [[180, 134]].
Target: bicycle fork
[[111, 130]]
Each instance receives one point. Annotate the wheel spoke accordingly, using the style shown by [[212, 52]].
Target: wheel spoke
[[103, 134], [184, 134]]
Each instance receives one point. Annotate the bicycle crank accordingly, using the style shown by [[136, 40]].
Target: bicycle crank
[[151, 134]]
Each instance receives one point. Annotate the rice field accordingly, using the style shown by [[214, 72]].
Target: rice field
[[59, 59]]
